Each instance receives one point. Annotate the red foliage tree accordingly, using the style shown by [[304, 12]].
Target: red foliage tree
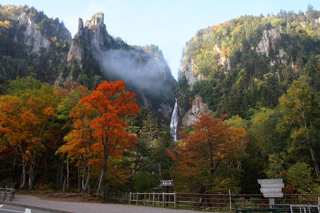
[[112, 103], [208, 159]]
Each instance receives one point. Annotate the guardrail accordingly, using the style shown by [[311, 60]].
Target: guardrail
[[8, 193], [211, 201]]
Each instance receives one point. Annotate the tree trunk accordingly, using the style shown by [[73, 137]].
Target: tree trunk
[[61, 172], [58, 173], [79, 179], [86, 186], [316, 167], [45, 172], [68, 173], [31, 177], [32, 171], [100, 181], [23, 176]]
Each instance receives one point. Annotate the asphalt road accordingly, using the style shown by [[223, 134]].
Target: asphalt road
[[38, 205], [16, 209]]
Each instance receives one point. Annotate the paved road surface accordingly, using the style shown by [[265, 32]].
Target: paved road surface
[[16, 209], [33, 202]]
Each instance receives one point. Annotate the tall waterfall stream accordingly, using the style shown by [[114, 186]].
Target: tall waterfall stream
[[174, 121]]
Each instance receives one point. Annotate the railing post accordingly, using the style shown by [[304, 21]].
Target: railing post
[[163, 199], [5, 192], [11, 195], [145, 198], [129, 198], [137, 198], [153, 198], [175, 199]]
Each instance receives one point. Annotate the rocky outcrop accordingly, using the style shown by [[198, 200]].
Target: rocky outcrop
[[187, 69], [222, 60], [32, 37], [92, 32], [190, 117], [166, 109], [269, 38]]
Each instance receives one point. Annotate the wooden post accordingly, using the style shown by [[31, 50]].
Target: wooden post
[[5, 192], [230, 199], [145, 198], [153, 198], [163, 200], [137, 198], [129, 198], [175, 199]]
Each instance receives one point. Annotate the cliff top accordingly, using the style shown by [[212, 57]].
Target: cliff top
[[95, 20]]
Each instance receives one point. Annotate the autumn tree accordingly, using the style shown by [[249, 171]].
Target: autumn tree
[[207, 159], [25, 117], [79, 139], [112, 103]]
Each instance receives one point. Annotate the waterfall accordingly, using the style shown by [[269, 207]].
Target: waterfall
[[174, 121]]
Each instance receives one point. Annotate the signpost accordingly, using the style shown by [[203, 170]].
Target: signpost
[[271, 188], [166, 183]]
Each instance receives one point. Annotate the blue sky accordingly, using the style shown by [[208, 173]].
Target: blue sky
[[166, 23]]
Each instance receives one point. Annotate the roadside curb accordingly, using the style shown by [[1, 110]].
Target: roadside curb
[[34, 207]]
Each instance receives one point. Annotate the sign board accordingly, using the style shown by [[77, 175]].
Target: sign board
[[269, 181], [272, 185], [166, 182], [272, 195], [271, 188]]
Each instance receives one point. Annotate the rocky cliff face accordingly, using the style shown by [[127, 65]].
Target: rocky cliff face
[[222, 59], [90, 35], [269, 38], [92, 32], [32, 37], [190, 116], [187, 69]]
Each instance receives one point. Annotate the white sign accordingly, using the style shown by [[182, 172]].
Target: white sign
[[271, 188], [166, 182]]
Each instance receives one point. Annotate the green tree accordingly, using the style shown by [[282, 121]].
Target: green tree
[[300, 110]]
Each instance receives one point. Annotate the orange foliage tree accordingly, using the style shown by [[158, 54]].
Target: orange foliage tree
[[207, 161], [112, 103], [80, 138], [24, 125]]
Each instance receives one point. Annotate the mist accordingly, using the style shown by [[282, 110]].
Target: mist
[[148, 73]]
